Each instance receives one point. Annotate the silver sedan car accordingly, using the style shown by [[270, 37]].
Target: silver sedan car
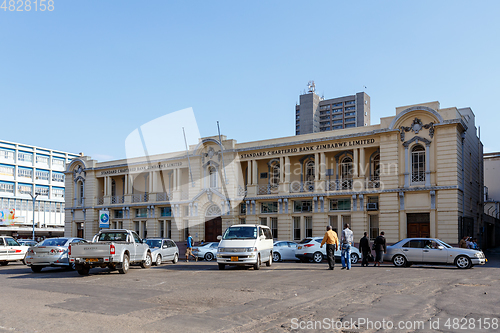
[[163, 250], [52, 252], [207, 251], [432, 251], [284, 250]]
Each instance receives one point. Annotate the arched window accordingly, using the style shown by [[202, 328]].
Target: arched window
[[213, 176], [274, 173], [346, 168], [418, 164], [376, 168], [81, 192], [309, 171]]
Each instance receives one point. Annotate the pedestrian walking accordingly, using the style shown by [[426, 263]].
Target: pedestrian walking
[[332, 244], [347, 241], [364, 246], [380, 249], [189, 250]]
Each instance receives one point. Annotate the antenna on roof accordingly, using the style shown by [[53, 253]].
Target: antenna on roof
[[311, 87]]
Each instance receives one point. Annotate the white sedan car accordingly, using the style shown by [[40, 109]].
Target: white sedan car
[[284, 250], [10, 250], [163, 250], [309, 249], [207, 251]]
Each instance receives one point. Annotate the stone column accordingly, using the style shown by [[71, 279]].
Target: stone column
[[254, 172], [355, 162], [362, 165], [282, 169], [287, 169], [249, 172]]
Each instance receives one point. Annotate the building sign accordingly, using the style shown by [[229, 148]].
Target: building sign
[[310, 148], [141, 168], [7, 216], [103, 219]]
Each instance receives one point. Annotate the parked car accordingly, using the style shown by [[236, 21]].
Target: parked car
[[432, 251], [309, 249], [245, 244], [52, 252], [116, 249], [284, 250], [163, 250], [11, 250], [27, 242], [207, 251]]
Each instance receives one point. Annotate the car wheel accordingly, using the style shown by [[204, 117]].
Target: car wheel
[[125, 265], [209, 256], [276, 256], [84, 270], [270, 261], [222, 267], [354, 258], [158, 260], [317, 257], [399, 260], [4, 263], [257, 265], [463, 262], [176, 259], [36, 269], [148, 261]]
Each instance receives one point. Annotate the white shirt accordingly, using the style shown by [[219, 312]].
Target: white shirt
[[347, 236]]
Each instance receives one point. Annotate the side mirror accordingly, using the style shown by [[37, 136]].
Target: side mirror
[[440, 247], [165, 246], [219, 237]]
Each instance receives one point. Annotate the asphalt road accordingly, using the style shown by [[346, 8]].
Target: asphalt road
[[197, 297]]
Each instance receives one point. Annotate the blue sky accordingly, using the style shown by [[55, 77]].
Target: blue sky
[[83, 77]]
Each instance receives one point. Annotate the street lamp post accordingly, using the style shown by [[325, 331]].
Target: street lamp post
[[34, 199]]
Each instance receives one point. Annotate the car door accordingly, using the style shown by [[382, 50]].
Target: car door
[[432, 253], [288, 252], [137, 248], [413, 250], [169, 249], [15, 251], [4, 253]]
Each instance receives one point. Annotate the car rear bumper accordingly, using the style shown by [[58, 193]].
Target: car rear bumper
[[303, 256]]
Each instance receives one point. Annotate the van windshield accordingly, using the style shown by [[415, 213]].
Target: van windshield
[[240, 233]]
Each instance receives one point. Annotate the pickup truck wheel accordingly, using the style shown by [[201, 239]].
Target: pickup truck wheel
[[125, 265], [148, 261], [36, 269], [158, 260], [4, 263], [176, 259], [84, 270]]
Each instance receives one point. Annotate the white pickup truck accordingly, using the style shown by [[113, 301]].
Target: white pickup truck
[[112, 248]]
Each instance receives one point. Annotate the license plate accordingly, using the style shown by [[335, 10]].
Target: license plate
[[234, 258], [300, 247], [92, 260]]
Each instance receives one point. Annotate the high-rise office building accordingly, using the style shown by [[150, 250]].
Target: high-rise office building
[[316, 114], [27, 171]]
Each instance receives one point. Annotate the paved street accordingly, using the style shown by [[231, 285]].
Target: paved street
[[197, 297]]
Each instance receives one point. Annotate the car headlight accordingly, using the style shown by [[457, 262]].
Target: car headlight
[[220, 249], [479, 255], [251, 249]]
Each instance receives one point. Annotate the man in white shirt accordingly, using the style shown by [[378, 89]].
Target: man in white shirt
[[347, 241]]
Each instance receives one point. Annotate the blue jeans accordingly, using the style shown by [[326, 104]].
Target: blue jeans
[[345, 256]]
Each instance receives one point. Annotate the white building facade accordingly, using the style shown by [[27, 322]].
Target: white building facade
[[27, 171]]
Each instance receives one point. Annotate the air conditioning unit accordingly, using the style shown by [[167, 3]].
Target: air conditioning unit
[[372, 206]]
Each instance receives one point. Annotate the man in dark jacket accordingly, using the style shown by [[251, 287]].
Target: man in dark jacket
[[364, 246], [380, 249]]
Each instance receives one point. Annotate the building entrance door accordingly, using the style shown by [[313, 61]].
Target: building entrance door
[[213, 228], [418, 225]]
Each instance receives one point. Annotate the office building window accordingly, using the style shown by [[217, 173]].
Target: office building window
[[58, 192], [243, 221], [269, 207], [374, 227], [24, 188], [141, 212], [42, 159], [58, 177], [350, 120], [350, 125], [42, 175], [58, 162], [24, 172], [325, 107], [243, 208], [337, 111], [6, 187], [42, 190], [350, 108], [350, 103], [348, 114], [333, 222], [118, 214], [418, 164], [337, 127], [274, 227], [296, 228], [7, 154], [337, 104], [302, 206], [24, 156], [339, 121], [263, 220], [6, 170], [308, 223], [340, 204]]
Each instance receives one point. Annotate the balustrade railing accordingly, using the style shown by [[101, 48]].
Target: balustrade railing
[[242, 191], [117, 199], [164, 196], [296, 187], [140, 197], [339, 185], [267, 189], [100, 201]]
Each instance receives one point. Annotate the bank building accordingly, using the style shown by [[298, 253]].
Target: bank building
[[417, 173]]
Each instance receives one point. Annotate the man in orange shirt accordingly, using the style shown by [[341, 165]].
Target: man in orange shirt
[[332, 244]]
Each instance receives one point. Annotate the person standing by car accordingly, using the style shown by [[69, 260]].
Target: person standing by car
[[364, 247], [380, 249], [189, 250], [332, 244], [463, 244], [347, 242]]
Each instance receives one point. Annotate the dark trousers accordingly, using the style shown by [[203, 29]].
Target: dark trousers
[[365, 259], [330, 250]]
